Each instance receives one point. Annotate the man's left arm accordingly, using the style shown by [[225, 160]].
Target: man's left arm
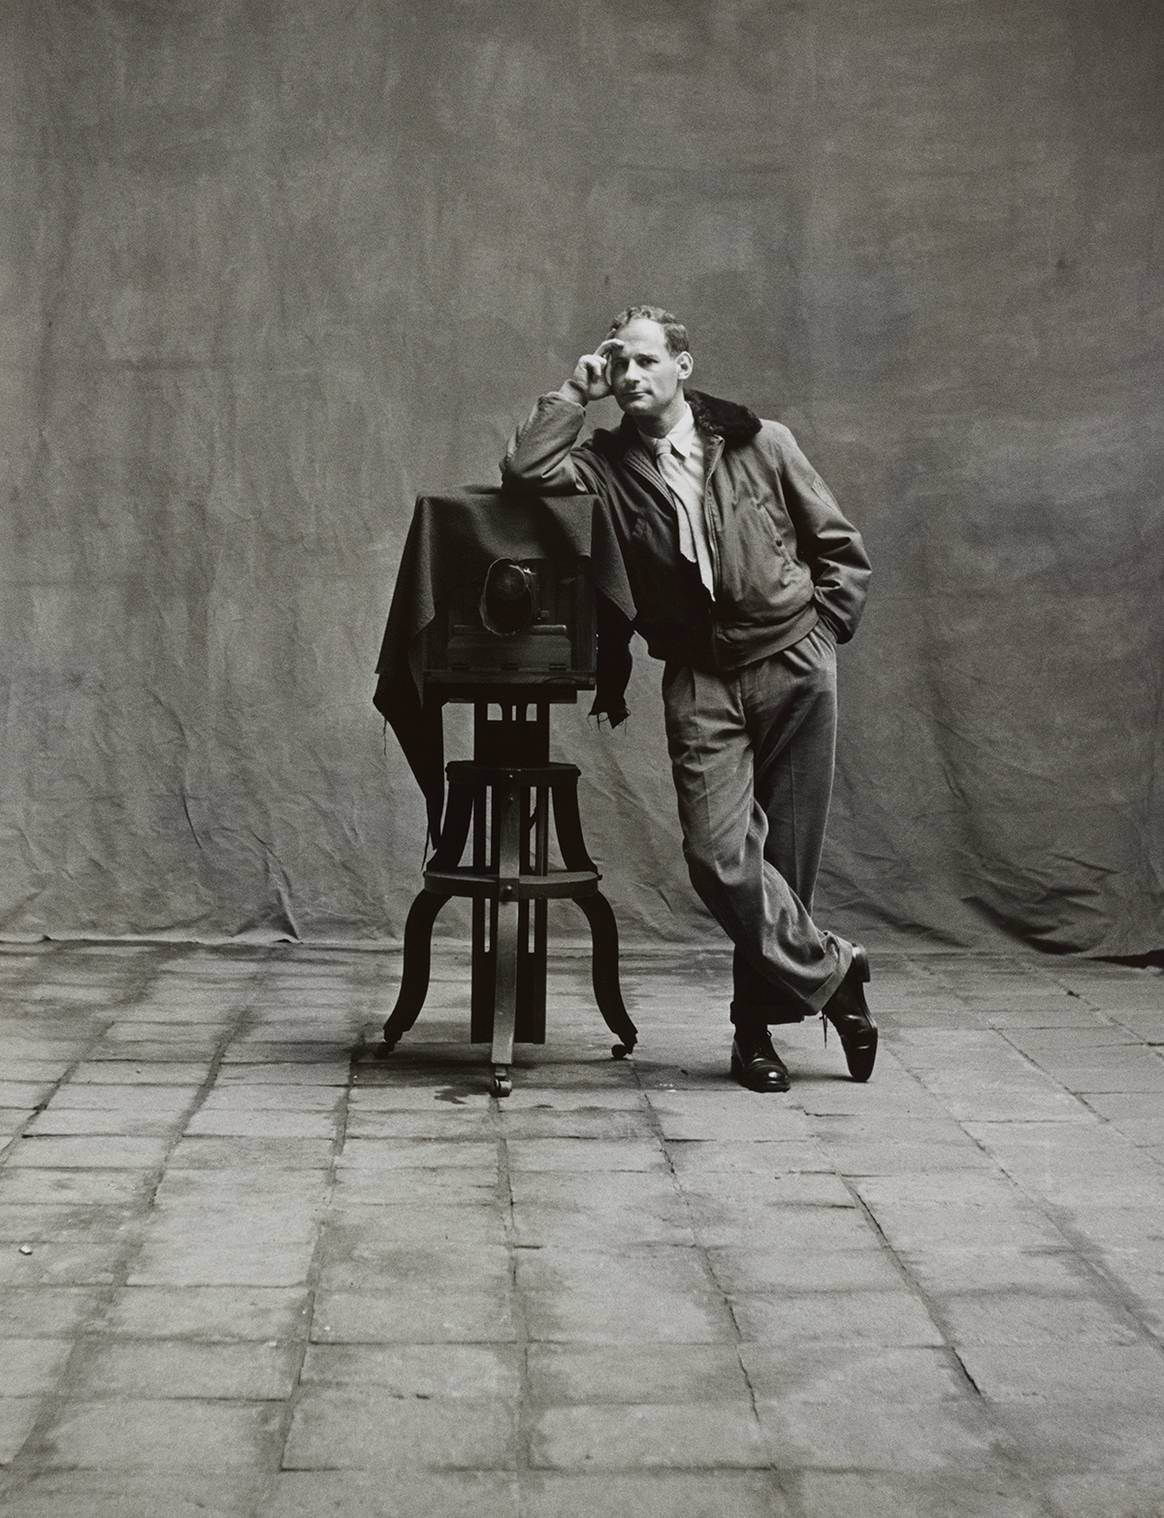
[[828, 542]]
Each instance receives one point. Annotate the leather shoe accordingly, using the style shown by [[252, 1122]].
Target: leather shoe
[[848, 1012], [755, 1063]]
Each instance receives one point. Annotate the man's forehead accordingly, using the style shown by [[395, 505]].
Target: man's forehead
[[641, 335]]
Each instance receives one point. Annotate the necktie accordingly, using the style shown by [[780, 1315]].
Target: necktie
[[689, 511]]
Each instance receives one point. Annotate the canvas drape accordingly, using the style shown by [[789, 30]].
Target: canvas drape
[[269, 271]]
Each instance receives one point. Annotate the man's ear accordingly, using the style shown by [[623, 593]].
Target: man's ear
[[685, 364]]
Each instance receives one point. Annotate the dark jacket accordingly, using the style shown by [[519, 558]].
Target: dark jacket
[[783, 553]]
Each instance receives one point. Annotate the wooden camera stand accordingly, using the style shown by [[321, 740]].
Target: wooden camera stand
[[503, 796], [501, 803]]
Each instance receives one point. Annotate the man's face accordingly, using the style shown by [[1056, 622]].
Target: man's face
[[644, 376]]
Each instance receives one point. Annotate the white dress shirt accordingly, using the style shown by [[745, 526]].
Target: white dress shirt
[[679, 459]]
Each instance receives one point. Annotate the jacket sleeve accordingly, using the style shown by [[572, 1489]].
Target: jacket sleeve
[[540, 453], [828, 542]]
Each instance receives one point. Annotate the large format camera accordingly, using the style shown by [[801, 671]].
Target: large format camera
[[528, 625]]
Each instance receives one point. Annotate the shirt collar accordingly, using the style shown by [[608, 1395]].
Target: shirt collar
[[680, 438]]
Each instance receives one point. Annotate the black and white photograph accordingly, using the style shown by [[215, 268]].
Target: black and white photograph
[[581, 758]]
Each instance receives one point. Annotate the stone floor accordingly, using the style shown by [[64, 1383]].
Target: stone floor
[[247, 1268]]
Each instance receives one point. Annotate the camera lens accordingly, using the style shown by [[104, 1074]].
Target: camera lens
[[507, 600], [508, 583]]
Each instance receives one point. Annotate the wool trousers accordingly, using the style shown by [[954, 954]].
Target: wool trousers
[[752, 756]]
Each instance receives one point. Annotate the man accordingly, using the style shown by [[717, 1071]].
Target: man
[[745, 576]]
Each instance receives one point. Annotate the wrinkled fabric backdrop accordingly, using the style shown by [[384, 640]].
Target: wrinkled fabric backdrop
[[270, 268]]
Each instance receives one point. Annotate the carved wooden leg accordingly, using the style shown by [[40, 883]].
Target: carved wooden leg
[[539, 952], [604, 970], [415, 966], [455, 829], [568, 824], [507, 824]]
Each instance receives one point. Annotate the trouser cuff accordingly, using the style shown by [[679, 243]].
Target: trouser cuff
[[824, 992]]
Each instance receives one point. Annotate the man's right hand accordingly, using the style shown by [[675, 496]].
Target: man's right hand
[[590, 380]]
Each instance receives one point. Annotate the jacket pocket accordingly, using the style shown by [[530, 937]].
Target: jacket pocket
[[755, 565]]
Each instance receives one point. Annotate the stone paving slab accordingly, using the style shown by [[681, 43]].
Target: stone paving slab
[[1081, 1435], [940, 1271], [362, 1255], [877, 1494], [661, 1316], [177, 1368], [164, 1100], [18, 1416], [723, 1434], [46, 1310], [655, 1494], [627, 1374], [132, 1492], [220, 1186], [953, 1436], [32, 1366], [592, 1156], [236, 1154], [332, 1072], [152, 1072], [265, 1123], [210, 1313], [122, 1433], [50, 1262], [369, 1288], [254, 1098], [859, 1318], [815, 1372], [22, 1094], [476, 1372], [1026, 1317], [768, 1156], [356, 1494], [186, 1050], [637, 1270], [129, 1122], [410, 1314], [909, 1226], [1120, 1494], [369, 1428], [92, 1152], [80, 1223], [1044, 1372], [798, 1269]]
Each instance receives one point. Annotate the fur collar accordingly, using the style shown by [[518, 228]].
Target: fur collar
[[726, 419]]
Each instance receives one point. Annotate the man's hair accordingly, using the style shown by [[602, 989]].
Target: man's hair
[[674, 332]]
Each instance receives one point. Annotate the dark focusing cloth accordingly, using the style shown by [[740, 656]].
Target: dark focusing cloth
[[453, 539]]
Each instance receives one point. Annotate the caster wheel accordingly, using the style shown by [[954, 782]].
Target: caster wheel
[[501, 1084], [619, 1051]]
